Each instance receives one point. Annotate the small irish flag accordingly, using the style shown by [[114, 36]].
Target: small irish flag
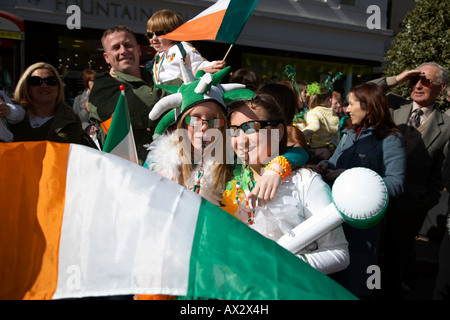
[[223, 21], [119, 140], [78, 222]]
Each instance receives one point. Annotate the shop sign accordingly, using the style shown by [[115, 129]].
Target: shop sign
[[10, 35]]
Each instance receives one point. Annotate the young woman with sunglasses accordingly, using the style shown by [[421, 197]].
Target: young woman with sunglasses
[[181, 153], [40, 91], [189, 147], [170, 54], [300, 195]]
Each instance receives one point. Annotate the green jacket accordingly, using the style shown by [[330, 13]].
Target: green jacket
[[65, 127], [141, 97]]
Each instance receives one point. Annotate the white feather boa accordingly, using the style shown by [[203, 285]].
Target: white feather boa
[[164, 158]]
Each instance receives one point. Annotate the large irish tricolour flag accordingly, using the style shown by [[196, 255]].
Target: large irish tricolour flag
[[78, 222], [223, 21]]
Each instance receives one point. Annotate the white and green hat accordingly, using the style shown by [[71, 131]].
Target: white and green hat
[[203, 87]]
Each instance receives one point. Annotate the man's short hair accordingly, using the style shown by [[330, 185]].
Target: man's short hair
[[114, 30]]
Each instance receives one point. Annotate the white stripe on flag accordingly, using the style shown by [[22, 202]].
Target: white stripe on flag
[[218, 6], [125, 247], [126, 148]]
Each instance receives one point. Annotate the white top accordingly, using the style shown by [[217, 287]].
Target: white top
[[16, 115], [17, 112], [300, 196], [166, 65], [36, 121]]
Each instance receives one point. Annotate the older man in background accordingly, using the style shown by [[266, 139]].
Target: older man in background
[[427, 132]]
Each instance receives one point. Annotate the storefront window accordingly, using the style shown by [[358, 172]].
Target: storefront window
[[8, 74], [11, 51], [78, 53], [272, 69]]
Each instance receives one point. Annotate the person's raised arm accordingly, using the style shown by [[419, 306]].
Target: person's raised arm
[[278, 169]]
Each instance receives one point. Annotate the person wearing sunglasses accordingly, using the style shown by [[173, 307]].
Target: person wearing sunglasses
[[122, 53], [189, 144], [427, 133], [40, 91], [258, 133], [171, 54]]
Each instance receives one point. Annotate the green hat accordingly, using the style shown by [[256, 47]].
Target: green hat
[[203, 87]]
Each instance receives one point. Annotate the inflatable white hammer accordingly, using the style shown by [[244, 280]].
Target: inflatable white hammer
[[360, 198]]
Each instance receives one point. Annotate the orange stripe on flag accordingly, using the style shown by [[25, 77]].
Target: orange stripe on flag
[[202, 28], [106, 124], [32, 205]]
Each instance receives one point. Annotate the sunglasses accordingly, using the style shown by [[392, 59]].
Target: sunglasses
[[425, 82], [36, 81], [157, 33], [251, 127], [198, 122]]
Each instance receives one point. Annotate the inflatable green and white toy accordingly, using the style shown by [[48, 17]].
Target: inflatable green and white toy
[[360, 198]]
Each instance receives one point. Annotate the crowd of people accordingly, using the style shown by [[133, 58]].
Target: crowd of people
[[271, 185]]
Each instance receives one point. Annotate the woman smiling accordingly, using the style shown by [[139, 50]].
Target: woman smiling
[[41, 92], [372, 141], [300, 195]]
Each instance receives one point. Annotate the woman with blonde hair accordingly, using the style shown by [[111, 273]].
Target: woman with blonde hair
[[183, 153], [40, 91], [189, 145]]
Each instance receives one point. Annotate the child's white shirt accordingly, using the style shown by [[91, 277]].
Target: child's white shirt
[[167, 64]]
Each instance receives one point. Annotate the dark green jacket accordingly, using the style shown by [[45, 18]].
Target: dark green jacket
[[141, 97], [64, 127]]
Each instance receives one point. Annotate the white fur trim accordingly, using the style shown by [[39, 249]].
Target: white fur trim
[[164, 158]]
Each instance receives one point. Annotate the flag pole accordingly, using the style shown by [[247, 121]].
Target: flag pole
[[229, 49]]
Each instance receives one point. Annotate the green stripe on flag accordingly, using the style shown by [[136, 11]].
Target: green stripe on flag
[[231, 261], [236, 16], [120, 125]]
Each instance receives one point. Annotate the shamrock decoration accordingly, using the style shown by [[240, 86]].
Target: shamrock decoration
[[290, 72], [330, 82]]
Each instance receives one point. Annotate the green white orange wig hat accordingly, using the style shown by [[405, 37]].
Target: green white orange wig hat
[[203, 87]]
